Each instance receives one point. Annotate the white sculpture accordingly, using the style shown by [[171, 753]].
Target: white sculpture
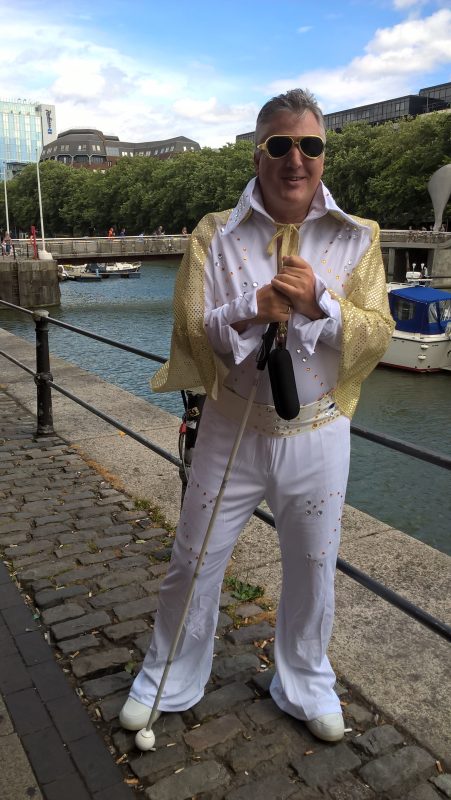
[[439, 188]]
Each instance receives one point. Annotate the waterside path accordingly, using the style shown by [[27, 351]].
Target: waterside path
[[69, 518]]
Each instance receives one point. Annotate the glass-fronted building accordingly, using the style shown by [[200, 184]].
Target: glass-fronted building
[[25, 128]]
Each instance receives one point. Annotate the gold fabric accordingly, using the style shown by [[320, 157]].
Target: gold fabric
[[367, 323]]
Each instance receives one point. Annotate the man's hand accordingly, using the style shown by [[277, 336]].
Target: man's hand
[[272, 307], [296, 281]]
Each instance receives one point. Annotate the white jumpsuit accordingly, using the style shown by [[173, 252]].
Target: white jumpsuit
[[302, 476]]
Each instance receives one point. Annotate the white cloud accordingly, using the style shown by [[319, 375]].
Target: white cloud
[[389, 68], [305, 28]]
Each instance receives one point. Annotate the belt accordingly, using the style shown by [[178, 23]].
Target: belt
[[264, 419]]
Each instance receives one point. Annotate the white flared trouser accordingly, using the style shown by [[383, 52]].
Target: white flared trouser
[[303, 479]]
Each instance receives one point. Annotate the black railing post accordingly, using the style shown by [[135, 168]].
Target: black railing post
[[43, 375]]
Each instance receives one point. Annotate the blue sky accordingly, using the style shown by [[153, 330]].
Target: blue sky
[[149, 70]]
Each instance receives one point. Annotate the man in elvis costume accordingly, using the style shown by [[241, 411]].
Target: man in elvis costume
[[285, 254]]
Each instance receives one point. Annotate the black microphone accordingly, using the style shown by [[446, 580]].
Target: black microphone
[[283, 383]]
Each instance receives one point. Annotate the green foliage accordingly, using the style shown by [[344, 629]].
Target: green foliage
[[379, 172], [243, 591]]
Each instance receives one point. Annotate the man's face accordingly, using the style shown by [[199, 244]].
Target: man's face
[[288, 184]]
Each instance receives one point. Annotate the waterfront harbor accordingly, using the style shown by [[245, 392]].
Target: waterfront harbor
[[391, 669], [412, 407]]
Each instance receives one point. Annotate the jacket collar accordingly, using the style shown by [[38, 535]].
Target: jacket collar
[[251, 201]]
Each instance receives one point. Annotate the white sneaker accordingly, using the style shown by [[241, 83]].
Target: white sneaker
[[328, 727], [134, 716]]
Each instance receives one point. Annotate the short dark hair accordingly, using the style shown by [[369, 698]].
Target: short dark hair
[[297, 101]]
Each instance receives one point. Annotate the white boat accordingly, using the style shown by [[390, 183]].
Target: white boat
[[119, 269], [421, 341]]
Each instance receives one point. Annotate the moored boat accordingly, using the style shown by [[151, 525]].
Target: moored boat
[[119, 269], [421, 341]]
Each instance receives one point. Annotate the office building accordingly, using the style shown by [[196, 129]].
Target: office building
[[432, 98], [90, 148], [25, 128]]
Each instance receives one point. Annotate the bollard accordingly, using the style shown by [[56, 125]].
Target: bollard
[[43, 375]]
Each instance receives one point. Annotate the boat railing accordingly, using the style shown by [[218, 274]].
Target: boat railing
[[43, 379]]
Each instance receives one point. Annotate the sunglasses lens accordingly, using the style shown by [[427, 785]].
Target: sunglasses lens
[[311, 146], [278, 146]]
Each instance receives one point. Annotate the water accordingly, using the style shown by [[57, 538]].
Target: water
[[404, 492]]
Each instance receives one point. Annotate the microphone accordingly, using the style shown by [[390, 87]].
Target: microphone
[[283, 383]]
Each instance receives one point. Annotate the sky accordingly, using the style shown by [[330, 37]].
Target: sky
[[145, 70]]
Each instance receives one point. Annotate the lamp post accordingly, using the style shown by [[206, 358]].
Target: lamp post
[[42, 254]]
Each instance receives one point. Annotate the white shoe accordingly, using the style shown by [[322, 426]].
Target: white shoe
[[328, 727], [134, 716]]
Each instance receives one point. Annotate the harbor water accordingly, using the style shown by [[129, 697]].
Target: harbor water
[[406, 493]]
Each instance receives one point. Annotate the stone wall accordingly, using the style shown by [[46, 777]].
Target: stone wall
[[29, 283]]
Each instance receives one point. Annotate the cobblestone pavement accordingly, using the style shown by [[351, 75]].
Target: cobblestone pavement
[[75, 621]]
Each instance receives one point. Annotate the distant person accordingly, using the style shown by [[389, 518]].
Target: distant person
[[111, 233], [159, 231], [122, 233], [7, 243], [184, 231]]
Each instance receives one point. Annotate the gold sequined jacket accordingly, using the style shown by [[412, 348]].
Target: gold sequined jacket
[[366, 322]]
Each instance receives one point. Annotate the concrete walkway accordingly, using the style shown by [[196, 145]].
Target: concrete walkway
[[88, 560]]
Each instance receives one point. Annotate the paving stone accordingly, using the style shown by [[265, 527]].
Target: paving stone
[[47, 570], [94, 762], [48, 598], [66, 630], [28, 562], [247, 755], [27, 711], [119, 791], [152, 586], [57, 517], [51, 530], [50, 680], [33, 648], [378, 741], [264, 712], [263, 680], [81, 574], [222, 700], [102, 557], [90, 664], [142, 642], [78, 643], [70, 717], [232, 666], [111, 707], [47, 755], [398, 772], [245, 610], [152, 764], [109, 684], [136, 608], [71, 787], [212, 733], [325, 765], [130, 563], [35, 546], [124, 630], [251, 633], [360, 715], [273, 787], [96, 523], [443, 782], [203, 777], [122, 578], [351, 789], [62, 613], [20, 619], [424, 792], [121, 594], [65, 550]]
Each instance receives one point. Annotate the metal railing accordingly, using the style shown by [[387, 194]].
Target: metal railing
[[91, 248], [45, 383]]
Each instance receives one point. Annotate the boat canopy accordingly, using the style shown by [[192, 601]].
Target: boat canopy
[[420, 309]]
